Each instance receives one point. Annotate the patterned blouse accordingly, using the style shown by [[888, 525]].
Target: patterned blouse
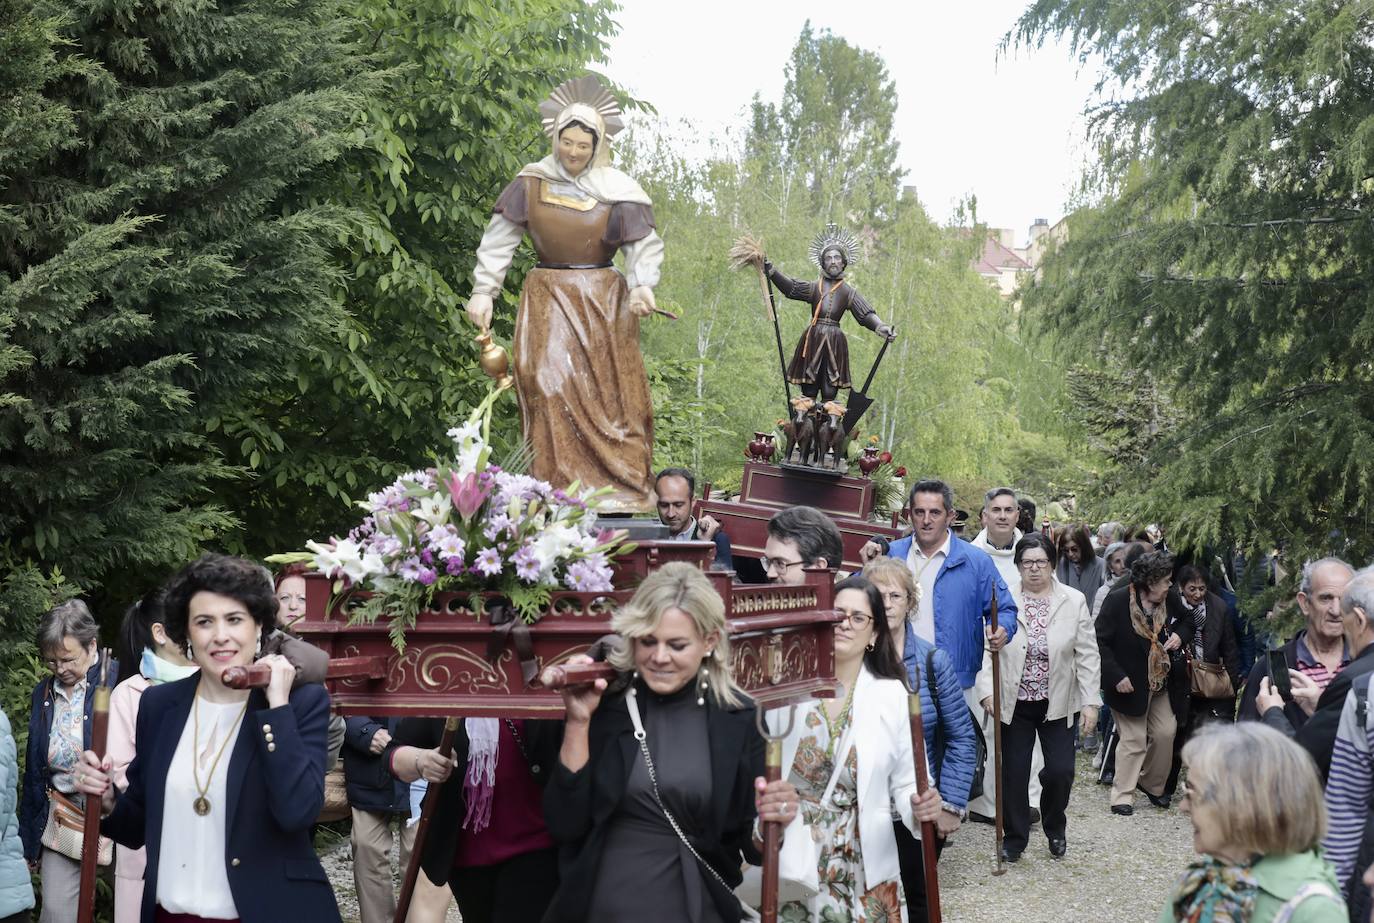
[[67, 739], [1035, 679]]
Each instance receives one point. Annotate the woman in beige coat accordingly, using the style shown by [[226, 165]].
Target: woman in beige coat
[[1050, 674]]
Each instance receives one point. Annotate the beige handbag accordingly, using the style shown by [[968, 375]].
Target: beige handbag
[[66, 829], [1210, 680]]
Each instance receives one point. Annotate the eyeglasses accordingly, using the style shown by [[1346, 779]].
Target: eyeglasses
[[895, 596], [1034, 564], [778, 565], [64, 662], [857, 620]]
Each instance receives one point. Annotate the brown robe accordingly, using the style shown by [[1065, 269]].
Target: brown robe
[[823, 348], [584, 396]]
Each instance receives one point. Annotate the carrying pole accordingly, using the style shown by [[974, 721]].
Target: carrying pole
[[998, 868], [422, 825]]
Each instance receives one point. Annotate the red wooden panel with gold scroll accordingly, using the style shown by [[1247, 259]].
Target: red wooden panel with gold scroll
[[782, 643]]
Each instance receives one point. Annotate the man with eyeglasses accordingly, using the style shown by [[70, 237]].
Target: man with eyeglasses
[[799, 537]]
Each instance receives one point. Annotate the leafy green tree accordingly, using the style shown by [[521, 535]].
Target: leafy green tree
[[455, 122], [1228, 258], [161, 265], [832, 132]]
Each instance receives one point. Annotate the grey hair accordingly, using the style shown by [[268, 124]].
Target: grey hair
[[932, 486], [1359, 592], [1309, 570], [996, 492], [1113, 529], [71, 619]]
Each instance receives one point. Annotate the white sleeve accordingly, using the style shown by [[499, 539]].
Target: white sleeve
[[494, 255], [643, 260]]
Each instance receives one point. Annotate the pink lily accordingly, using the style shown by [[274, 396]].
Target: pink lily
[[468, 494]]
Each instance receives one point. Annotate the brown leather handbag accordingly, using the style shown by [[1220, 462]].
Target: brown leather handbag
[[1210, 680]]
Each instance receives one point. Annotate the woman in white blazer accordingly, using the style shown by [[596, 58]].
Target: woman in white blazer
[[850, 760], [1050, 674]]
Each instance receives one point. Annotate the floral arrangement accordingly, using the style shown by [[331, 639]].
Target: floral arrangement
[[467, 525]]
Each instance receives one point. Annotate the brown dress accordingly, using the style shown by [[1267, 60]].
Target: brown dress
[[584, 397], [822, 353]]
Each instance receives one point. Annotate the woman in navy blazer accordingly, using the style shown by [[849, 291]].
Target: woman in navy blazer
[[225, 784]]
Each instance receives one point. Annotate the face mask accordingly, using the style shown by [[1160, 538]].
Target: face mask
[[157, 670]]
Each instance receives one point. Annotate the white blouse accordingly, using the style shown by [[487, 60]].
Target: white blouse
[[191, 873]]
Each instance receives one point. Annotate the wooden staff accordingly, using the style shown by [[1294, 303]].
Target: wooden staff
[[422, 825], [928, 831], [90, 835], [998, 867], [772, 829]]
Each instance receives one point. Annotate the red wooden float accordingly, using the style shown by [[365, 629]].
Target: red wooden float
[[782, 644]]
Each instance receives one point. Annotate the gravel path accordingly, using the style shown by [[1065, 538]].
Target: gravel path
[[1118, 869]]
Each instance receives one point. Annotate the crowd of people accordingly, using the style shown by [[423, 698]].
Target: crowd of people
[[649, 795]]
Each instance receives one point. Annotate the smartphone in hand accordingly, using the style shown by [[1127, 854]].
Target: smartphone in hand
[[1278, 675]]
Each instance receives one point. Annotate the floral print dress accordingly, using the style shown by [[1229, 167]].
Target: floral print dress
[[843, 897]]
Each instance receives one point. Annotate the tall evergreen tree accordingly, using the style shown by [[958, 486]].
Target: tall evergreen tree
[[1231, 258], [160, 264]]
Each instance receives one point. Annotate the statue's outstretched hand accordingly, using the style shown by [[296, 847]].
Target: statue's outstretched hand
[[886, 332], [641, 300], [479, 310]]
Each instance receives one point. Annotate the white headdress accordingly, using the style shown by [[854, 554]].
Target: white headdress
[[586, 100], [834, 236]]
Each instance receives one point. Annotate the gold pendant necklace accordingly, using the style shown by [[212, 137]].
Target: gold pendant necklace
[[202, 803]]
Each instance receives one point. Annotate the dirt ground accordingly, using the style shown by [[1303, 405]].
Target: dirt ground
[[1118, 869]]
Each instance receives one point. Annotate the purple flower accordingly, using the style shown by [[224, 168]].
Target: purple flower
[[526, 564], [427, 576], [488, 562], [453, 566], [410, 569], [586, 578]]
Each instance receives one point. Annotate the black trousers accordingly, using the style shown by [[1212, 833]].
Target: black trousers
[[23, 916], [515, 891], [912, 862], [1056, 779], [1200, 711]]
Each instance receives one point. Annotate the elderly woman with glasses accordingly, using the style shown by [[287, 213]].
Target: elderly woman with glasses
[[1050, 674], [1256, 807], [59, 730], [951, 743]]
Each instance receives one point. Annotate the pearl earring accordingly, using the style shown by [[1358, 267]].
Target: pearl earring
[[189, 654], [702, 685], [258, 651]]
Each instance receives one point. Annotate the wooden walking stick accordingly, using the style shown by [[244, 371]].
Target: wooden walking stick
[[772, 830], [90, 835], [422, 825], [928, 831], [998, 868]]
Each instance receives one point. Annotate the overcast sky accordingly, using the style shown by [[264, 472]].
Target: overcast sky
[[1009, 130]]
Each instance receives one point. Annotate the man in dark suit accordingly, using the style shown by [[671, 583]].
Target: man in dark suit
[[674, 488]]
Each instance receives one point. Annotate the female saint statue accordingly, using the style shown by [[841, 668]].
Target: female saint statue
[[579, 374]]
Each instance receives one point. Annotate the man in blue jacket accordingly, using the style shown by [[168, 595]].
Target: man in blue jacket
[[956, 582]]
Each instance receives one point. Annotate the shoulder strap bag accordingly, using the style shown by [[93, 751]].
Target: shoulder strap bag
[[798, 860]]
